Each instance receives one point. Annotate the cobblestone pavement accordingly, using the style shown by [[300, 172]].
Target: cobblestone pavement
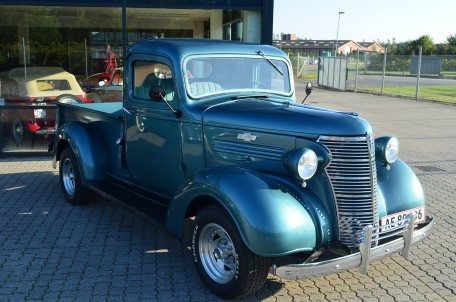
[[53, 251]]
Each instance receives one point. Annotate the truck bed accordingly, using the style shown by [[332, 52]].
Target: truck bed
[[109, 109], [104, 121]]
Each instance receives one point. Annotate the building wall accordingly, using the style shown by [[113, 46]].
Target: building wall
[[348, 48]]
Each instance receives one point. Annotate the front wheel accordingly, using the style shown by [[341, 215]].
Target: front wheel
[[223, 262], [70, 178]]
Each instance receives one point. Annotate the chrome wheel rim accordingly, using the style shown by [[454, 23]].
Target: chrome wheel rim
[[67, 100], [18, 130], [68, 177], [217, 253]]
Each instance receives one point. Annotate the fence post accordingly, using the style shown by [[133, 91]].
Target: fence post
[[86, 60], [418, 74], [356, 72], [384, 69], [25, 57]]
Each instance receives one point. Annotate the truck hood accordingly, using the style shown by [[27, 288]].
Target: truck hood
[[284, 118]]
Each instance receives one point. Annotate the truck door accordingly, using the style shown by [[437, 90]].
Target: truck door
[[153, 140]]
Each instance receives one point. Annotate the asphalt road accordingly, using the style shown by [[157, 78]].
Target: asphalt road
[[52, 251]]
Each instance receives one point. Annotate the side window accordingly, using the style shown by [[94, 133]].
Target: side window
[[147, 74]]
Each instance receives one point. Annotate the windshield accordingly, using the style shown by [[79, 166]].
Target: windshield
[[215, 75]]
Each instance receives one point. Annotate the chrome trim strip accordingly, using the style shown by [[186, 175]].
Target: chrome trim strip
[[343, 138], [46, 131], [316, 269]]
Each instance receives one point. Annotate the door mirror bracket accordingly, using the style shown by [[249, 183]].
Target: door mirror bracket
[[157, 93]]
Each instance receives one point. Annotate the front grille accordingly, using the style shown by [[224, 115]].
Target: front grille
[[352, 174]]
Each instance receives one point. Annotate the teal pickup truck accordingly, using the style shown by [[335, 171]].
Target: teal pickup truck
[[211, 130]]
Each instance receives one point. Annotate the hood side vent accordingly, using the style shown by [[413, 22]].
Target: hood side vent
[[249, 149]]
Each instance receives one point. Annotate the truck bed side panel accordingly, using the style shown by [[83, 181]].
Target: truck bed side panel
[[104, 121]]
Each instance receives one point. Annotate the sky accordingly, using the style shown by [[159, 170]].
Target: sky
[[366, 20]]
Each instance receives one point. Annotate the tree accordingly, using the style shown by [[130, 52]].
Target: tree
[[449, 48], [391, 45], [426, 42], [452, 40]]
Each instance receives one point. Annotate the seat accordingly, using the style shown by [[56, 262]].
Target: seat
[[142, 91], [201, 88]]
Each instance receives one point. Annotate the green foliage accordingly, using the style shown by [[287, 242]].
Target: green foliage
[[449, 64], [452, 40], [393, 63], [426, 42]]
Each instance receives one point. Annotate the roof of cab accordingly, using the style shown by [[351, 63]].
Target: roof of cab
[[183, 47]]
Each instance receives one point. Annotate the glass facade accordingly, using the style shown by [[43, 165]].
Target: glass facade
[[56, 52]]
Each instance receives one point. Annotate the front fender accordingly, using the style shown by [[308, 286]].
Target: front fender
[[88, 149], [399, 188], [271, 220]]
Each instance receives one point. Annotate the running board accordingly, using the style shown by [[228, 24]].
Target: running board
[[151, 210]]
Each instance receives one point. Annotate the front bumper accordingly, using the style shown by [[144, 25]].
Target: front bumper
[[359, 259]]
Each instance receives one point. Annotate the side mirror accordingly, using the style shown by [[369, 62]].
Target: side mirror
[[308, 88], [157, 93], [308, 91]]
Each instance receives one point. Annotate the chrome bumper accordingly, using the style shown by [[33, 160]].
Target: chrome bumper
[[360, 259], [45, 131]]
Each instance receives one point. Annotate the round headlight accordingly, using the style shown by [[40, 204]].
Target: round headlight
[[307, 165], [391, 150]]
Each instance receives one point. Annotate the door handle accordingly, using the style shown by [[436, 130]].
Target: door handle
[[140, 122], [244, 159]]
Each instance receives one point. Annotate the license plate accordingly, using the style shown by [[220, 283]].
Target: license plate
[[398, 219]]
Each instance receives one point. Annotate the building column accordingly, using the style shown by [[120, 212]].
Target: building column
[[198, 30], [217, 24], [252, 26]]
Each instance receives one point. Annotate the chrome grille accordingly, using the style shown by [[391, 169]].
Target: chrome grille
[[353, 177]]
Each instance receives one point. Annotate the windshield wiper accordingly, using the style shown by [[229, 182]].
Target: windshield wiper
[[261, 53]]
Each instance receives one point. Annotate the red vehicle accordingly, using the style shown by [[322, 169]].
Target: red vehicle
[[104, 87], [40, 87], [103, 79]]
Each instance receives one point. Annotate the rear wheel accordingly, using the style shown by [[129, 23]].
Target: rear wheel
[[223, 262], [70, 179], [22, 137], [18, 130], [67, 99]]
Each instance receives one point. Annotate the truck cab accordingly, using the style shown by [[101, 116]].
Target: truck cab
[[212, 130]]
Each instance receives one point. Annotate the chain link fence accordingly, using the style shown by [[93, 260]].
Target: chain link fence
[[412, 76], [305, 66]]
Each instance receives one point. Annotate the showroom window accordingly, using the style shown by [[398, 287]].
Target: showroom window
[[52, 54]]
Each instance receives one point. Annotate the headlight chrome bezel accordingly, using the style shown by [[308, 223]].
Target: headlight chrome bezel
[[387, 149], [302, 163]]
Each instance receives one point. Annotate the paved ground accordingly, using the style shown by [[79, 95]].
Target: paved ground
[[53, 251]]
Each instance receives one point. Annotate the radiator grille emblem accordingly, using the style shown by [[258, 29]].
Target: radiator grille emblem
[[247, 137]]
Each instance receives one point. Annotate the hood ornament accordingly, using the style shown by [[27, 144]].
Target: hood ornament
[[247, 137]]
